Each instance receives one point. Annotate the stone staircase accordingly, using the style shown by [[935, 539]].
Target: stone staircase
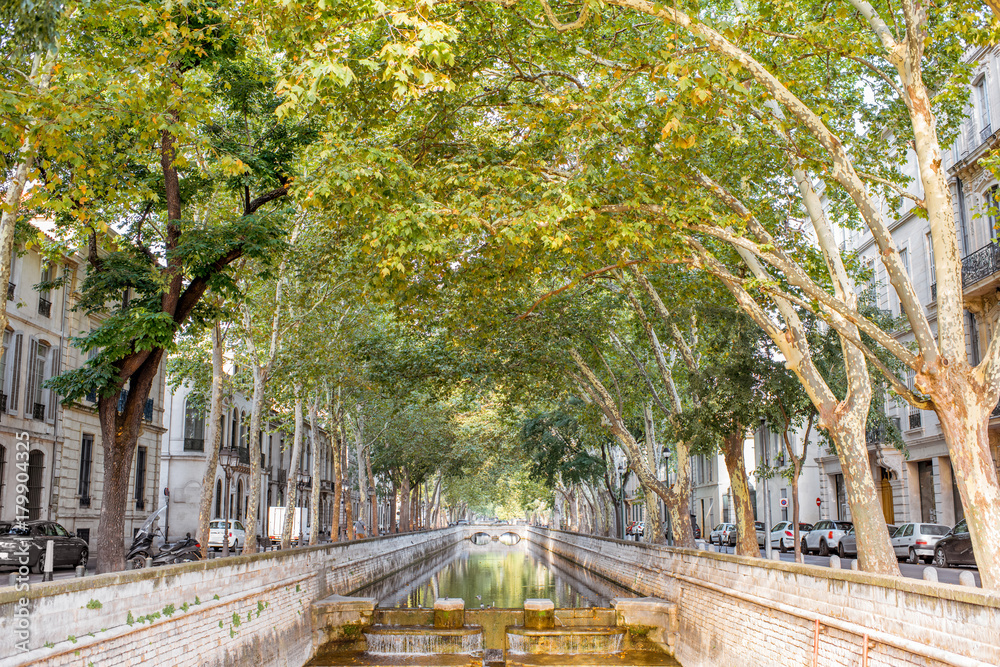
[[349, 631]]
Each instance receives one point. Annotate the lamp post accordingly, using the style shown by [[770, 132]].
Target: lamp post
[[228, 458], [766, 460], [621, 499]]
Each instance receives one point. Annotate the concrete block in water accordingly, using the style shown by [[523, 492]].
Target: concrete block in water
[[651, 619], [539, 614], [340, 621], [449, 613]]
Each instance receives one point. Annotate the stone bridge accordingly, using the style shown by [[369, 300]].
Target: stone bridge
[[256, 610]]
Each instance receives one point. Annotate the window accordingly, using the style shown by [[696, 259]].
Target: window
[[140, 478], [234, 433], [36, 475], [86, 458], [194, 428], [3, 369], [44, 295], [38, 357], [990, 204], [983, 104]]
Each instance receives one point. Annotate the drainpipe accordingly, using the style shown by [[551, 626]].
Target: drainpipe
[[53, 497]]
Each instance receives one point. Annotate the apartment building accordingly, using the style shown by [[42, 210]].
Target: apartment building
[[184, 459], [66, 458]]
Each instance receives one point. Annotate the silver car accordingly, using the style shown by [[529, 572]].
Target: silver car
[[916, 541], [720, 534], [824, 536], [848, 545]]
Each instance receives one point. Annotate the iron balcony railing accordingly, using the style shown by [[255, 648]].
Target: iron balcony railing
[[84, 501], [10, 291], [44, 307], [981, 264], [985, 133], [147, 410], [244, 455], [3, 402], [914, 418], [38, 411], [875, 435], [934, 292], [194, 444]]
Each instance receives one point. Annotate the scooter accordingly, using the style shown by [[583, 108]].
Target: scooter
[[143, 547]]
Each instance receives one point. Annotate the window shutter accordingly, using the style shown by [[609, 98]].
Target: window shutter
[[53, 398], [29, 392], [15, 375]]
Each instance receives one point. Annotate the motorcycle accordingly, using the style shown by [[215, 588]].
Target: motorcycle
[[143, 546]]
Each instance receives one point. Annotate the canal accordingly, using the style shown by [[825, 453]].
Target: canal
[[495, 575]]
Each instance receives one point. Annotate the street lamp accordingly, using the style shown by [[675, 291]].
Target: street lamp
[[228, 459], [765, 460]]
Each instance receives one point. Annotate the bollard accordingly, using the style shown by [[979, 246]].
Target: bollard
[[966, 578], [49, 557], [834, 562], [930, 574], [81, 571], [854, 564], [775, 554], [149, 562]]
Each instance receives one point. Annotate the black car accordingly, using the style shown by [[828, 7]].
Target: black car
[[955, 548], [32, 536]]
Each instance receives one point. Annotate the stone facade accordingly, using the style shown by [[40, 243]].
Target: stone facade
[[66, 466], [183, 466]]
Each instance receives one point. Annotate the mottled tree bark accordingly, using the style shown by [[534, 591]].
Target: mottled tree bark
[[212, 441], [291, 486], [746, 531]]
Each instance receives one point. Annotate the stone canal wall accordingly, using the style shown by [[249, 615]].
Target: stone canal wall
[[748, 611], [246, 610]]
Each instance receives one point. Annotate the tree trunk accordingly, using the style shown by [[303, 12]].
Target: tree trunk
[[965, 424], [404, 505], [291, 486], [337, 438], [653, 533], [373, 528], [746, 531], [260, 377], [875, 552], [314, 474], [393, 526], [212, 442], [119, 433], [797, 470]]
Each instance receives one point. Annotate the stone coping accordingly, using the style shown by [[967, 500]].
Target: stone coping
[[10, 595], [346, 603], [953, 592], [539, 604], [449, 604]]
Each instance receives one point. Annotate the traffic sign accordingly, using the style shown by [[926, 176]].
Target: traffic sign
[[819, 502], [784, 502]]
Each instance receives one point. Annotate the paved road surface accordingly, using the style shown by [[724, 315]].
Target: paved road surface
[[947, 575]]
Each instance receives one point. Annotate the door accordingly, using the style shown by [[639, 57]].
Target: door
[[925, 481], [964, 545], [65, 550], [885, 495], [901, 540]]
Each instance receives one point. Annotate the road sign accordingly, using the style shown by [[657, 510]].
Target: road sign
[[784, 502], [819, 501]]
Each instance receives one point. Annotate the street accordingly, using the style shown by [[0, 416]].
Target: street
[[945, 575]]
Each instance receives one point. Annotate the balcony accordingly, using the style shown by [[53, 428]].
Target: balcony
[[875, 435], [85, 501], [147, 411], [985, 133], [140, 503], [934, 292], [914, 418], [3, 402], [44, 307], [10, 291], [38, 411], [243, 454], [981, 264]]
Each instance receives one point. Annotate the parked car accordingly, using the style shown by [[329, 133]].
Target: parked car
[[783, 535], [720, 534], [237, 534], [916, 541], [955, 548], [67, 550], [848, 544], [824, 536], [761, 535]]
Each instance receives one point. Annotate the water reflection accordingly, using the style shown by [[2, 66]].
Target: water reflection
[[498, 576]]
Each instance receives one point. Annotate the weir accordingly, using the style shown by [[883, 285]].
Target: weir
[[635, 604]]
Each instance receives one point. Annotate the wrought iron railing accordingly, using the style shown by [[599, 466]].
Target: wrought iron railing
[[140, 503], [875, 435], [44, 307], [194, 444], [934, 292], [38, 411], [84, 501], [147, 410], [985, 133], [91, 396], [10, 291], [3, 402], [243, 454], [981, 264], [914, 418]]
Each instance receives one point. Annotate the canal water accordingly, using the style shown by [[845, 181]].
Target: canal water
[[495, 575]]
